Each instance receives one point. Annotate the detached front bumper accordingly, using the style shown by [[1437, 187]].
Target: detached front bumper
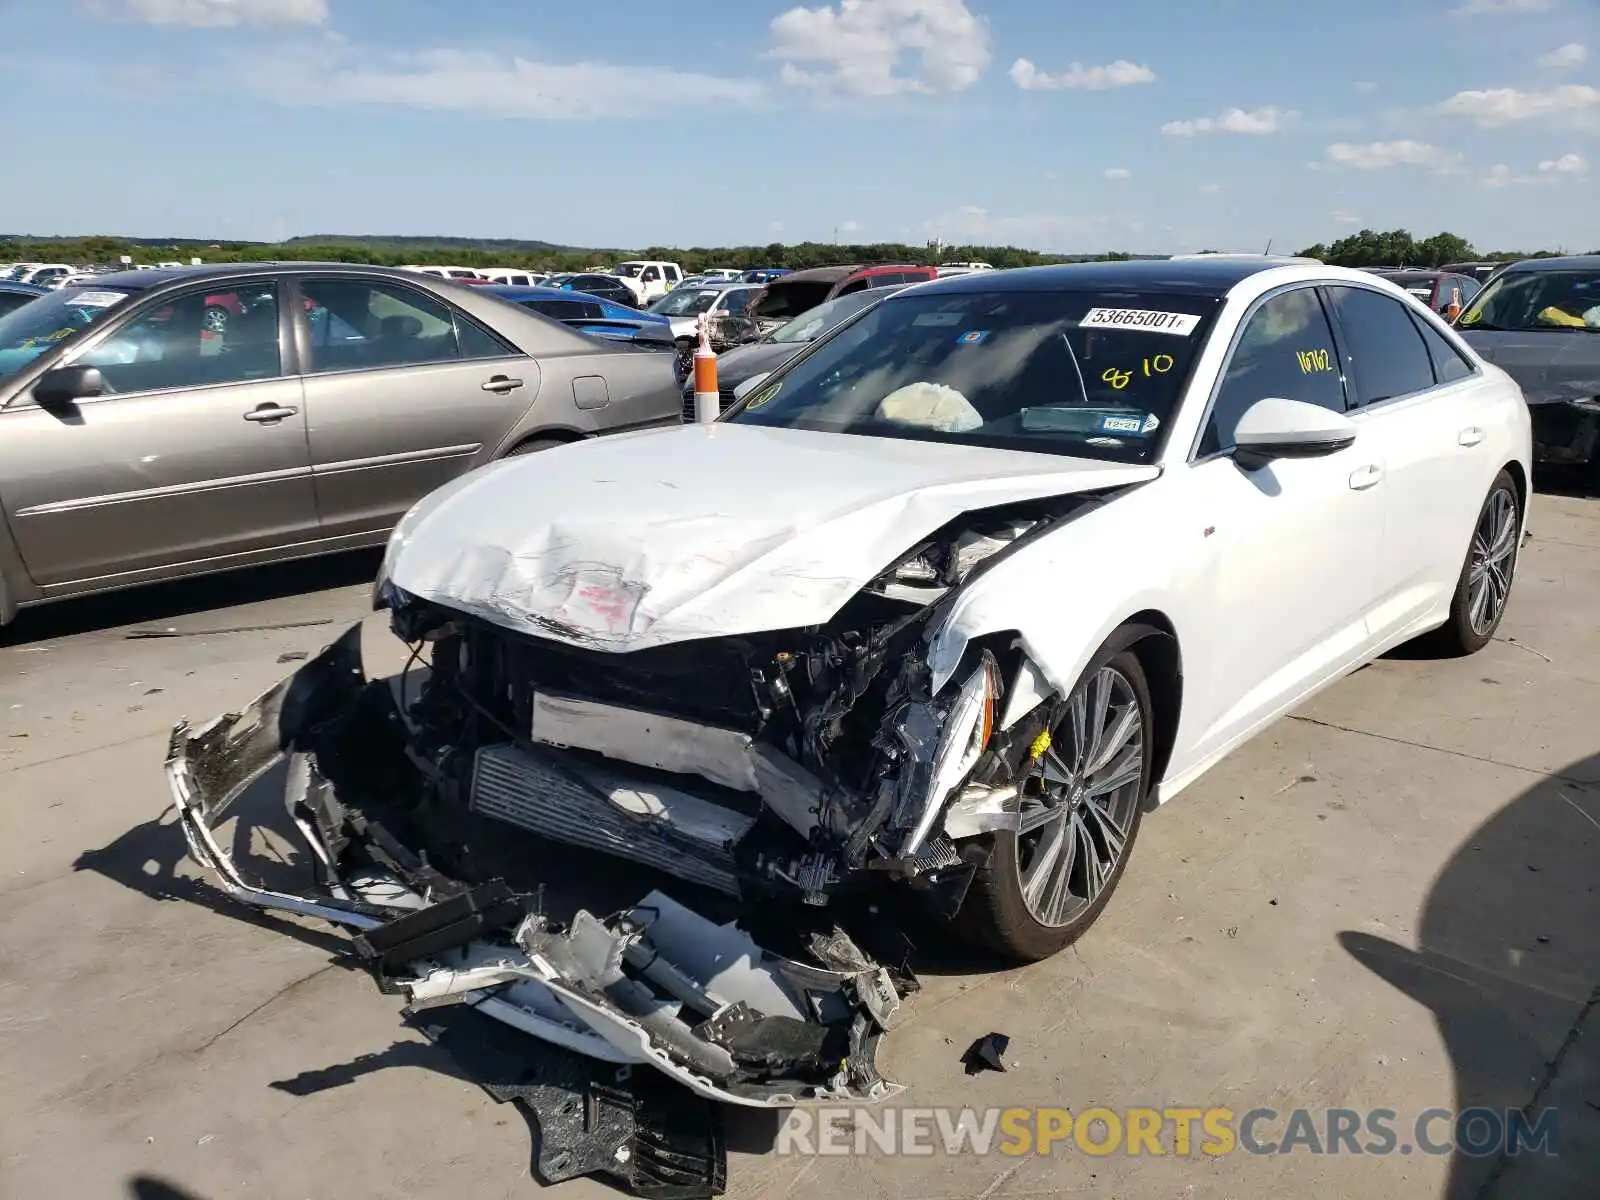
[[655, 985]]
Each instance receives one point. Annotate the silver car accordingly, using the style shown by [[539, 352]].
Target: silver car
[[165, 423]]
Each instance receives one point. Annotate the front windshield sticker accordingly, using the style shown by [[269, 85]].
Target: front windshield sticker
[[1181, 324], [98, 299], [1122, 424], [973, 337], [937, 318]]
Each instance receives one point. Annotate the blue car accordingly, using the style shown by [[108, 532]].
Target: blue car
[[596, 316], [765, 274], [14, 295]]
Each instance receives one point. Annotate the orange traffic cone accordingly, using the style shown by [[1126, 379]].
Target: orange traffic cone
[[707, 403]]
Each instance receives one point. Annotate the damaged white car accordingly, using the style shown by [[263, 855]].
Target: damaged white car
[[944, 605]]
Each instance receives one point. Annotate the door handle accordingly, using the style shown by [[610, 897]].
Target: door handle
[[1364, 477], [501, 384], [1471, 435], [266, 414]]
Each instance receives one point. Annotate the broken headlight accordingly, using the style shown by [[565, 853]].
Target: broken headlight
[[942, 740]]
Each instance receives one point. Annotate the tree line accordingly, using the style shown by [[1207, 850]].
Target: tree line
[[1368, 248]]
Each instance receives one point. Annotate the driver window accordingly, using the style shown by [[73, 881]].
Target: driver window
[[226, 334], [1285, 350]]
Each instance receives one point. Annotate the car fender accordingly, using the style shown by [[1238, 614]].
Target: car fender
[[1065, 593]]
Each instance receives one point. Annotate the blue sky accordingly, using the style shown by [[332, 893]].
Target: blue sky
[[1055, 124]]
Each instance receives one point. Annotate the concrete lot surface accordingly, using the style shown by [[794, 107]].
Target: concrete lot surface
[[1388, 901]]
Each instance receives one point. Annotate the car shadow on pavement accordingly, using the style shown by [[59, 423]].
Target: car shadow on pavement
[[185, 597], [1508, 961], [151, 1187]]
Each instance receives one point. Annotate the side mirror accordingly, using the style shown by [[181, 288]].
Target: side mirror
[[64, 386], [1276, 428], [750, 385]]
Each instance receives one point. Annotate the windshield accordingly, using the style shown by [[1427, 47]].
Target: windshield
[[1529, 300], [34, 328], [809, 326], [685, 302], [631, 270], [1091, 374]]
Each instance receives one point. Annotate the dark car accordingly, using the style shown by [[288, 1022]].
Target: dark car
[[14, 295], [1481, 271], [1439, 290], [801, 291], [1539, 320], [743, 363], [138, 443], [606, 287]]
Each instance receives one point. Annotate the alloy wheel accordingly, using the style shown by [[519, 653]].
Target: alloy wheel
[[1493, 555], [1079, 803]]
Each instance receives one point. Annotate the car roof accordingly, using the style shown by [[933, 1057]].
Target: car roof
[[820, 274], [1197, 277], [27, 289], [523, 291], [156, 276], [1567, 262]]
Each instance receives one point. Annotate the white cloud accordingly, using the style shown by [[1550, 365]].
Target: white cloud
[[1344, 217], [1365, 86], [1500, 175], [1379, 156], [1234, 120], [849, 226], [470, 81], [1121, 73], [1565, 58], [214, 13], [1211, 189], [857, 45], [1491, 107], [1567, 164], [1496, 8], [775, 226], [1118, 173]]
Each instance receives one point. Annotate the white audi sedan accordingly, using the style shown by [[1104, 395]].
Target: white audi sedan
[[945, 604]]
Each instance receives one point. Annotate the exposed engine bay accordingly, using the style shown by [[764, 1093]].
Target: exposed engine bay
[[783, 776], [806, 761]]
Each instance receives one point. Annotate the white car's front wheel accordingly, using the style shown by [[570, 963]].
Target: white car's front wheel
[[1079, 807]]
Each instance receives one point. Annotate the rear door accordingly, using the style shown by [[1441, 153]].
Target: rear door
[[197, 451], [1429, 414], [403, 393]]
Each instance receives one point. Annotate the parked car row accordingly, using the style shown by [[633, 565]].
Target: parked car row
[[271, 379]]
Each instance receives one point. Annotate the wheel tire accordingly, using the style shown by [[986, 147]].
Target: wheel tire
[[995, 915], [216, 320], [1459, 635], [534, 445]]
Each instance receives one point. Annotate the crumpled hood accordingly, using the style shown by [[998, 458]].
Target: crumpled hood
[[661, 536], [1551, 367]]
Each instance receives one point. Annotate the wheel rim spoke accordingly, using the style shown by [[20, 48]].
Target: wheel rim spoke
[[1045, 858], [1114, 740], [1036, 816], [1119, 774]]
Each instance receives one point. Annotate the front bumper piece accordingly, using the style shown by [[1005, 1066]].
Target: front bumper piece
[[657, 985]]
